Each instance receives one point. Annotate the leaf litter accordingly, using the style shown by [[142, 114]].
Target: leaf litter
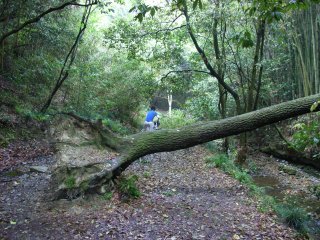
[[181, 199]]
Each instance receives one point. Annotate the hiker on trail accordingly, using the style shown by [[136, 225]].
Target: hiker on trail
[[149, 124]]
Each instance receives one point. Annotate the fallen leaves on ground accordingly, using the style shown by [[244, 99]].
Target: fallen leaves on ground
[[182, 199]]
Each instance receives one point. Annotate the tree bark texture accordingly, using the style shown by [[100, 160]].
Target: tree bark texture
[[138, 145]]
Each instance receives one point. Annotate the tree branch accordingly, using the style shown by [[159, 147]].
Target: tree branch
[[186, 70], [70, 56], [207, 63], [37, 18]]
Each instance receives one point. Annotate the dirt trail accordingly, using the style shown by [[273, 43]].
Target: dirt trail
[[182, 199]]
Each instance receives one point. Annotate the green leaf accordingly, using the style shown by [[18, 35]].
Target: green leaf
[[139, 17], [195, 4], [132, 9], [153, 11]]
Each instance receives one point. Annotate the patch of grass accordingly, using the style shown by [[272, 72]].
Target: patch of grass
[[146, 174], [128, 186], [217, 161], [28, 113], [294, 216], [266, 203], [144, 161], [70, 182], [107, 196], [243, 177], [315, 189], [7, 135], [223, 162], [212, 146]]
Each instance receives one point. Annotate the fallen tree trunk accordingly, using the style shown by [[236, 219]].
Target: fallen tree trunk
[[291, 155], [97, 176]]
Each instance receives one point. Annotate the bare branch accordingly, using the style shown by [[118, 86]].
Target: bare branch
[[186, 70], [166, 30]]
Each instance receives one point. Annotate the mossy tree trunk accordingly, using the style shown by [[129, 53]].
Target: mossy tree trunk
[[135, 146]]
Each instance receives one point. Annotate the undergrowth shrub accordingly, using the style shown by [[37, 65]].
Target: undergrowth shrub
[[307, 137], [70, 182], [221, 161], [107, 196], [128, 186], [294, 216], [28, 113], [177, 119], [115, 126]]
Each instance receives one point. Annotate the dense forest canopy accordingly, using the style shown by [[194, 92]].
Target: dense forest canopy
[[260, 52]]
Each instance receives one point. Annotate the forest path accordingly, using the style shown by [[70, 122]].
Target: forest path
[[181, 199]]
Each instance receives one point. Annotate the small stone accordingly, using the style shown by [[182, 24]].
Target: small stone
[[235, 237], [40, 169]]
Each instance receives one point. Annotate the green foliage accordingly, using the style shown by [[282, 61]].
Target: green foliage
[[306, 136], [70, 182], [244, 39], [243, 177], [27, 113], [177, 119], [128, 186], [146, 174], [144, 161], [294, 216], [266, 203], [115, 126], [218, 161], [224, 162], [203, 104], [315, 189], [6, 136], [212, 146], [142, 10], [107, 196]]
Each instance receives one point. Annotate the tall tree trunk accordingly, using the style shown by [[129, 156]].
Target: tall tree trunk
[[220, 55], [253, 83], [170, 102]]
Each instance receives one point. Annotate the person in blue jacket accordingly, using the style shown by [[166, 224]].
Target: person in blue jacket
[[148, 123]]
